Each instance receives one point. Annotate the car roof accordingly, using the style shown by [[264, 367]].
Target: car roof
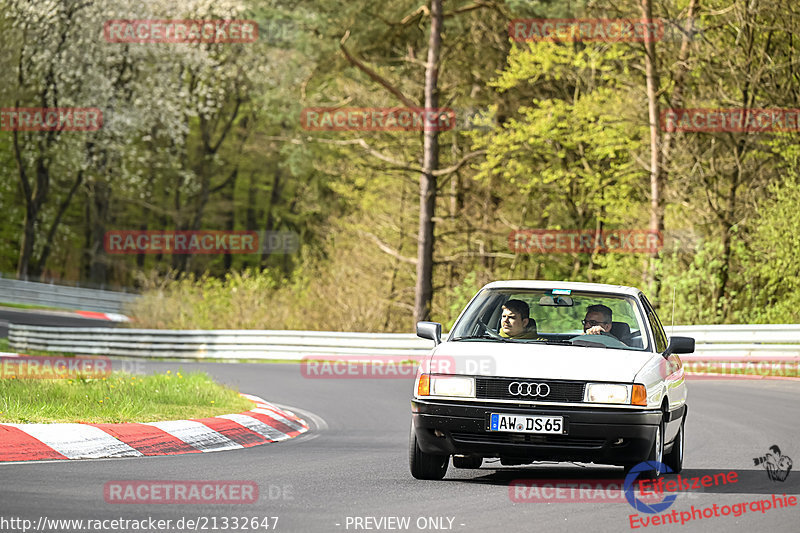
[[571, 285]]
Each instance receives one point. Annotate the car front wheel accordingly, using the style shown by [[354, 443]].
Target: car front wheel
[[425, 465], [655, 458], [674, 459]]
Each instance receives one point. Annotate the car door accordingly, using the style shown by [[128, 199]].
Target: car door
[[672, 371]]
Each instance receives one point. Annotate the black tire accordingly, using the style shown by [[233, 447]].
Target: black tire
[[467, 461], [674, 459], [425, 465], [656, 454]]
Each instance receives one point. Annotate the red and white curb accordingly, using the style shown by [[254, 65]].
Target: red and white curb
[[114, 317], [264, 424], [95, 315]]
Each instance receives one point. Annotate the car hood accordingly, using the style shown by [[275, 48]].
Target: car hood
[[537, 361]]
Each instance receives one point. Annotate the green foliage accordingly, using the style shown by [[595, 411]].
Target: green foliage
[[572, 150], [692, 279], [772, 267], [208, 137], [458, 297], [240, 300], [324, 296]]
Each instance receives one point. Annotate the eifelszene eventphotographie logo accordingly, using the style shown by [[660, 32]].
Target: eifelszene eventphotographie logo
[[776, 464]]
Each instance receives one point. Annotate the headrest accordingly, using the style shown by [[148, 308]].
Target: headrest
[[620, 330]]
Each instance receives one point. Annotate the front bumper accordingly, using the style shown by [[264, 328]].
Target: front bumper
[[597, 435]]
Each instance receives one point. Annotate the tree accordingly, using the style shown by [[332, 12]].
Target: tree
[[430, 162]]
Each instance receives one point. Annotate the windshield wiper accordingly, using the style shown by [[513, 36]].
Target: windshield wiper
[[587, 344]]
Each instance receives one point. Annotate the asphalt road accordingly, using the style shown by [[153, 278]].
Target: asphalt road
[[354, 464], [47, 318]]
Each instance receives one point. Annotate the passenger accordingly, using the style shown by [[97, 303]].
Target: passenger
[[598, 320], [516, 322]]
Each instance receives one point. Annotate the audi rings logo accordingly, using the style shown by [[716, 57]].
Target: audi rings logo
[[537, 390]]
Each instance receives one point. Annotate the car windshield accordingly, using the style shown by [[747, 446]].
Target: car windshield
[[555, 316]]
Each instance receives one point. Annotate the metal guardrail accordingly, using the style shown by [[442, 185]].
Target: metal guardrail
[[750, 334], [225, 344], [45, 294], [713, 343], [765, 342]]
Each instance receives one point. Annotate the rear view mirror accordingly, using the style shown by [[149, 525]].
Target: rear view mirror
[[430, 330], [556, 301]]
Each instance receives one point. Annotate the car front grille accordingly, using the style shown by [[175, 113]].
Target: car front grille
[[560, 391], [520, 438]]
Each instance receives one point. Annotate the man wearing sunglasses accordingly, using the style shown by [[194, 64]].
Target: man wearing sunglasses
[[598, 320]]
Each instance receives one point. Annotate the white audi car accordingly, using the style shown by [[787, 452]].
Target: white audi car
[[550, 371]]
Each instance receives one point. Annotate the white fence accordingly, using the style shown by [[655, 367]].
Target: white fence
[[45, 294], [225, 344], [766, 342], [713, 343]]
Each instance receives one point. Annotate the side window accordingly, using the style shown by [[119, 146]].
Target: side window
[[655, 326], [658, 332]]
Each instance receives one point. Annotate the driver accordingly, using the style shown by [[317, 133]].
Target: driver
[[516, 322], [598, 320]]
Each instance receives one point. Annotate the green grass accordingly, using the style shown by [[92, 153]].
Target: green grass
[[117, 398], [32, 306], [5, 346]]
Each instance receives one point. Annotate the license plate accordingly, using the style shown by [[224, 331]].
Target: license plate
[[527, 424]]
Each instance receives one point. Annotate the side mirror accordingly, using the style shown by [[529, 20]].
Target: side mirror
[[679, 345], [432, 331]]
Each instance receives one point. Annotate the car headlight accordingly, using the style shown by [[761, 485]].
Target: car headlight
[[607, 393], [461, 387]]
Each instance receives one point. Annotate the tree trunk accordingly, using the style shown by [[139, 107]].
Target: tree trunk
[[269, 225], [656, 175], [62, 208], [35, 196], [100, 202], [423, 293], [230, 215]]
